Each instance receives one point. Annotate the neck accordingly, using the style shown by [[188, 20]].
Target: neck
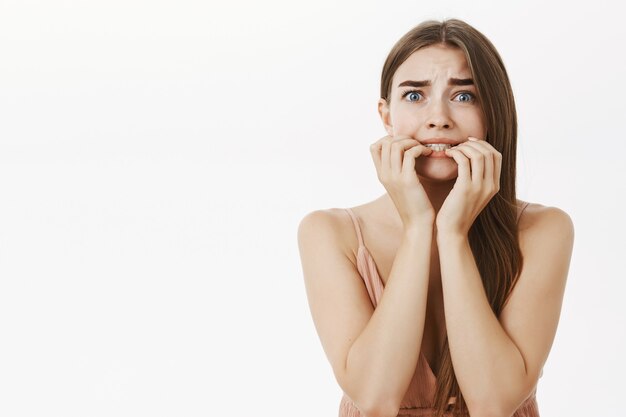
[[437, 192]]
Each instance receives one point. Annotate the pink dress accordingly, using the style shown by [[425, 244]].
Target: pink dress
[[419, 397]]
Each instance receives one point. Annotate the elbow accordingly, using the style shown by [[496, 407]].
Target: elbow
[[371, 407], [371, 400], [380, 410], [378, 404], [479, 413], [497, 405], [487, 410]]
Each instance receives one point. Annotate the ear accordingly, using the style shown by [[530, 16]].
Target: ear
[[385, 115]]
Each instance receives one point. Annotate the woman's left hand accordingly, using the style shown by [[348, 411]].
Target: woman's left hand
[[478, 181]]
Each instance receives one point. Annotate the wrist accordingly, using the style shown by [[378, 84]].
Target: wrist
[[419, 227], [422, 221], [452, 236]]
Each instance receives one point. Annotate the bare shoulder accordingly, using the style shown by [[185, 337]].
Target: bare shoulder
[[332, 226], [539, 222], [540, 219], [338, 298]]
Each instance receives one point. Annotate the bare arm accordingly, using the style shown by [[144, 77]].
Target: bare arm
[[498, 361], [382, 360], [373, 352]]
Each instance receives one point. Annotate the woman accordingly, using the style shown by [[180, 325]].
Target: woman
[[442, 296]]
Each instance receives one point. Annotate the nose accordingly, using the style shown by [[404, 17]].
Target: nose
[[439, 116]]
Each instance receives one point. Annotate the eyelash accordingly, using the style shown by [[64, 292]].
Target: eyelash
[[406, 93]]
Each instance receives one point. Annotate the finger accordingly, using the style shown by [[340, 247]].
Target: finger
[[463, 164], [398, 148], [477, 162], [492, 168], [384, 155], [375, 151], [498, 169], [410, 156], [487, 152]]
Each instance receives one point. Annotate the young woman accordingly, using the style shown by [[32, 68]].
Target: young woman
[[443, 295]]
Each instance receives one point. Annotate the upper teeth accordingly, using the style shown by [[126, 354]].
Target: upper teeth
[[438, 146]]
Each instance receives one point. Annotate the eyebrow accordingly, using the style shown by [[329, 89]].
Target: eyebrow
[[451, 81]]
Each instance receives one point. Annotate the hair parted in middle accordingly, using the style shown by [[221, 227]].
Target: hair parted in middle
[[494, 235]]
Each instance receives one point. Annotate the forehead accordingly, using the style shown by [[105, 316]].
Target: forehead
[[431, 63]]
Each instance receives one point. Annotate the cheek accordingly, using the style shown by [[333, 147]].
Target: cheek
[[481, 121], [474, 122], [405, 119]]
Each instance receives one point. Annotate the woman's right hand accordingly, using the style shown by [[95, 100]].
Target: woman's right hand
[[394, 157]]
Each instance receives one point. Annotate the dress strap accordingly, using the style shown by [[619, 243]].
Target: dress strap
[[356, 226], [522, 210]]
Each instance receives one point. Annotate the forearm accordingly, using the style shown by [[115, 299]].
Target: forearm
[[486, 362], [382, 360]]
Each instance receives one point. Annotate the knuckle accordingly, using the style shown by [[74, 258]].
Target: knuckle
[[416, 148], [411, 153]]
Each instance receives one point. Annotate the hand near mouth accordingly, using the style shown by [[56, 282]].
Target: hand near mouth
[[394, 158], [479, 166]]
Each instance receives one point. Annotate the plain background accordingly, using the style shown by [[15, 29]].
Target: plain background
[[156, 158]]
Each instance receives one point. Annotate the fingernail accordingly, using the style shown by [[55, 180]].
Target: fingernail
[[471, 138]]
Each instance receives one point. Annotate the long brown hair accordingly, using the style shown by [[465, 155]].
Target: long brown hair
[[494, 235]]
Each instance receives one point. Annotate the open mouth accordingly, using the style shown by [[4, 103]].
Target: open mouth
[[438, 146]]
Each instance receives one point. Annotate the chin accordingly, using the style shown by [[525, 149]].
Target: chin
[[439, 170]]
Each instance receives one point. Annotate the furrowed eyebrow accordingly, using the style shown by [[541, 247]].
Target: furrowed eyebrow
[[451, 81], [461, 81]]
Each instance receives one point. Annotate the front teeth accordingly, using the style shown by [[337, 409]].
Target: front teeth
[[438, 146]]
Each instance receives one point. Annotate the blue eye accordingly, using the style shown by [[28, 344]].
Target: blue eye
[[413, 94], [470, 96]]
